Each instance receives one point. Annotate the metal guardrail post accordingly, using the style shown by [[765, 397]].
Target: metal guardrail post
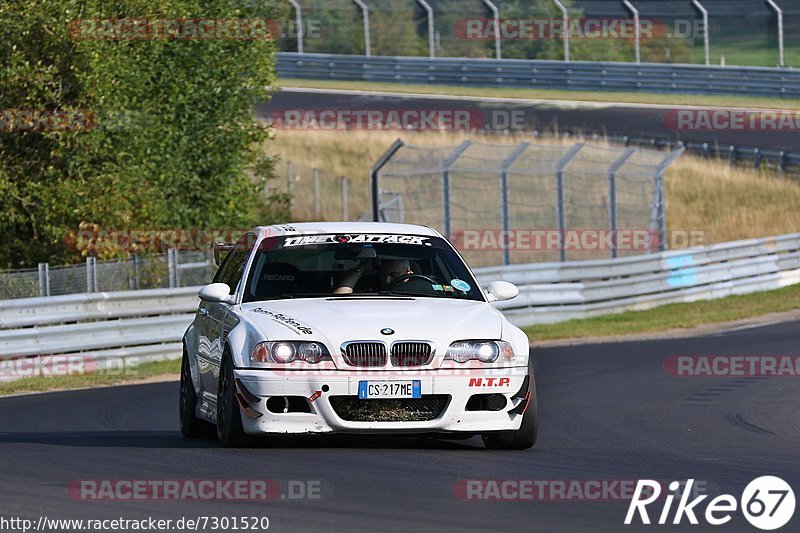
[[317, 205], [565, 21], [172, 267], [135, 261], [373, 177], [637, 31], [505, 211], [704, 12], [612, 196], [779, 12], [431, 37], [345, 215], [496, 16], [448, 163], [560, 212], [365, 14], [44, 279], [290, 183], [298, 13], [91, 274]]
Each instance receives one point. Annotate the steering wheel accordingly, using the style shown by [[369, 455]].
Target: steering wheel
[[405, 277]]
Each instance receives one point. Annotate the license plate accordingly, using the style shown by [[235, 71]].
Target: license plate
[[389, 389]]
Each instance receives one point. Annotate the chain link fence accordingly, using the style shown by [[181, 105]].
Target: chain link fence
[[320, 195], [522, 203], [174, 269]]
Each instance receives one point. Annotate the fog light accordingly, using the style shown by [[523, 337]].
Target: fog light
[[495, 402]]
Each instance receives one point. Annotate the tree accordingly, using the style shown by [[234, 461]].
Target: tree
[[165, 136]]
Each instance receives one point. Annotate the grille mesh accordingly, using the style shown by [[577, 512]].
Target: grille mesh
[[352, 409], [365, 354], [411, 353]]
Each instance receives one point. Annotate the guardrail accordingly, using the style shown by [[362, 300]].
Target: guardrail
[[546, 74], [736, 154], [106, 328], [554, 292], [98, 331]]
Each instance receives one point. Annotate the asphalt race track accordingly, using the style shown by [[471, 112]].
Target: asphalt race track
[[608, 412], [636, 121]]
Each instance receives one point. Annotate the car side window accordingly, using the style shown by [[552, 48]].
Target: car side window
[[233, 267]]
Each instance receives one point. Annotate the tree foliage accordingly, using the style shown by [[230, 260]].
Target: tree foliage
[[172, 139]]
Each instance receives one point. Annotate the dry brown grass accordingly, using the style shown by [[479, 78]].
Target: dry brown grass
[[708, 196], [730, 203]]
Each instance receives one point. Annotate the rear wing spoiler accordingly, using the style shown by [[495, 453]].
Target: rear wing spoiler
[[220, 247]]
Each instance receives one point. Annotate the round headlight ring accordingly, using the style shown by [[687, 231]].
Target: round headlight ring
[[283, 352], [487, 352], [310, 352]]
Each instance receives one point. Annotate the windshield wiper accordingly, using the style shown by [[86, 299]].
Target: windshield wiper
[[288, 296]]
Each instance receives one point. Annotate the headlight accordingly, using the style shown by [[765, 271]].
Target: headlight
[[284, 352], [483, 351], [312, 352]]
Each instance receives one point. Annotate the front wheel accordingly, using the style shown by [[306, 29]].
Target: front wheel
[[524, 437], [230, 432], [191, 426]]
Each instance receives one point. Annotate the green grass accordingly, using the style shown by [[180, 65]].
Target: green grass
[[760, 51], [672, 317], [546, 94], [130, 374]]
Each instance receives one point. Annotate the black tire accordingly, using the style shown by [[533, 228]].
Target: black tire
[[191, 426], [230, 432], [523, 438]]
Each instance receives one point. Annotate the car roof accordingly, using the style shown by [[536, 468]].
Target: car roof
[[305, 228]]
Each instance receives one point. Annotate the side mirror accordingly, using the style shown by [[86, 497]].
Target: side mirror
[[216, 293], [220, 247], [498, 291]]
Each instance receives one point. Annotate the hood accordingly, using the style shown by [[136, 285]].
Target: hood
[[337, 320]]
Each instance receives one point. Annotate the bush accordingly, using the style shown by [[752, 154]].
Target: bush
[[172, 141]]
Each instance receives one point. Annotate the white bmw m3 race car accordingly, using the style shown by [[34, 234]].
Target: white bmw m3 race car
[[354, 328]]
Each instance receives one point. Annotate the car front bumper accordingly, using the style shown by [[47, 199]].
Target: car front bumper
[[318, 388]]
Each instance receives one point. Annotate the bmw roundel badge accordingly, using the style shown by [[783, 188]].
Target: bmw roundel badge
[[387, 331]]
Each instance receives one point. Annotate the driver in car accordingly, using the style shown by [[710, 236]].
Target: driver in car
[[388, 271]]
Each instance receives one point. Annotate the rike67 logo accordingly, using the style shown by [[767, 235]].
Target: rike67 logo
[[767, 503]]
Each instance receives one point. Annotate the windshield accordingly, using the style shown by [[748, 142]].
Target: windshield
[[316, 266]]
